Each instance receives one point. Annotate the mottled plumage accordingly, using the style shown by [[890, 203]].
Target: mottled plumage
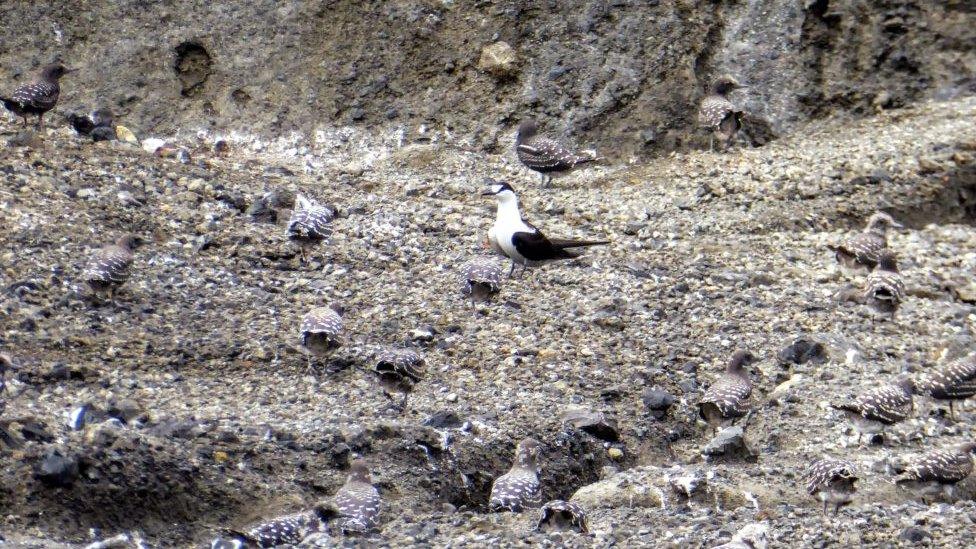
[[108, 268], [543, 155], [863, 249], [954, 381], [558, 515], [831, 481], [289, 529], [321, 332], [38, 96], [885, 289], [398, 370], [519, 487], [873, 410], [310, 222], [718, 114], [934, 473], [357, 501], [728, 397], [481, 278]]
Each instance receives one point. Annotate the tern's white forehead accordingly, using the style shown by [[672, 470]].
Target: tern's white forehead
[[496, 188]]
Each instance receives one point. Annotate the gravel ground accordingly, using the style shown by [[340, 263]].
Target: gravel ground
[[710, 252]]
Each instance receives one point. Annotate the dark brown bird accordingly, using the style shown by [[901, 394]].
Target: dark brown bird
[[559, 515], [310, 223], [885, 289], [831, 481], [862, 250], [285, 530], [108, 268], [398, 371], [954, 381], [519, 487], [727, 399], [873, 410], [718, 114], [321, 333], [358, 501], [481, 279], [38, 96], [541, 154], [5, 364], [935, 474]]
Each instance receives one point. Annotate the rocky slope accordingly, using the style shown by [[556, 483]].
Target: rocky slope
[[621, 75], [223, 425]]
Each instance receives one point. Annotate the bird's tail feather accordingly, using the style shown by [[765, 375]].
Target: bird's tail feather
[[845, 407], [566, 243]]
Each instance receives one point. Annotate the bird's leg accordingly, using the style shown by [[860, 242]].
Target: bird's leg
[[403, 404], [512, 270], [40, 121], [952, 414], [308, 368], [836, 509], [543, 176], [825, 507], [711, 142]]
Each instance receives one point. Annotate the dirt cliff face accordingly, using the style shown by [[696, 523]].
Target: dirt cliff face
[[622, 75]]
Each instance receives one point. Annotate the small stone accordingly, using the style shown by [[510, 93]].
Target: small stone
[[497, 59], [423, 333], [126, 135], [125, 409], [57, 470], [802, 351], [730, 442], [103, 133], [594, 423], [657, 399], [615, 453], [220, 456], [914, 534], [444, 419]]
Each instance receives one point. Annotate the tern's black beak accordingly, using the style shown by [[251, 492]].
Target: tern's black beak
[[489, 192]]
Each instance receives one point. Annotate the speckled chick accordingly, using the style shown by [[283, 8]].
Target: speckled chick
[[558, 515], [936, 473], [545, 156], [481, 279], [862, 250], [875, 409], [519, 487], [954, 381], [831, 481], [718, 114], [108, 268], [727, 399], [398, 370], [357, 501]]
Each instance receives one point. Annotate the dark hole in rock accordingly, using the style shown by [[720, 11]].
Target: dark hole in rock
[[193, 66], [951, 198], [240, 97]]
